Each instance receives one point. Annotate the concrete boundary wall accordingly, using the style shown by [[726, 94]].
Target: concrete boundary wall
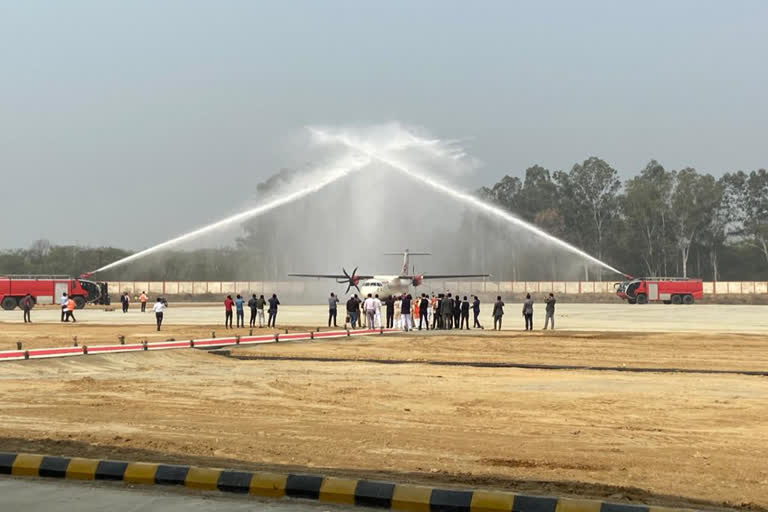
[[463, 287]]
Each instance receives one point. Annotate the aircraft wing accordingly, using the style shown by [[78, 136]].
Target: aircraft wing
[[453, 276], [330, 276]]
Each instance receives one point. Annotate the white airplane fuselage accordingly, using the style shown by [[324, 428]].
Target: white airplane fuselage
[[385, 286]]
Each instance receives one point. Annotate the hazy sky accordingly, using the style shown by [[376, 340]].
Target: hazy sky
[[125, 123]]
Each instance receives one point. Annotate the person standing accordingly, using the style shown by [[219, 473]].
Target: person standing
[[70, 310], [437, 322], [239, 303], [377, 305], [273, 303], [228, 303], [369, 306], [416, 312], [528, 312], [159, 308], [125, 300], [63, 303], [26, 303], [260, 303], [476, 311], [398, 309], [550, 312], [498, 312], [424, 308], [252, 307], [405, 307], [433, 309], [389, 304], [352, 311], [464, 314], [333, 304], [447, 312], [457, 312], [359, 312], [143, 301]]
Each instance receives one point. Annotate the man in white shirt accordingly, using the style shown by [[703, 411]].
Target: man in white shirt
[[158, 308], [377, 311], [63, 303], [369, 306]]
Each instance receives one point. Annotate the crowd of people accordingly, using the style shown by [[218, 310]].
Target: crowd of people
[[256, 306], [438, 311]]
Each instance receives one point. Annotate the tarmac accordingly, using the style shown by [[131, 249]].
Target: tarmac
[[578, 317], [68, 496]]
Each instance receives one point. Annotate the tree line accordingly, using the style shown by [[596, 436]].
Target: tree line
[[658, 223]]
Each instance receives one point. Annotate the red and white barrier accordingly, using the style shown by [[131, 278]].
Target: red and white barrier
[[44, 353]]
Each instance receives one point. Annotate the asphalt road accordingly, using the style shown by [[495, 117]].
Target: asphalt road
[[39, 495], [587, 317]]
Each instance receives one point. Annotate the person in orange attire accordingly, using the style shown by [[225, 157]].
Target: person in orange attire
[[70, 310], [143, 300]]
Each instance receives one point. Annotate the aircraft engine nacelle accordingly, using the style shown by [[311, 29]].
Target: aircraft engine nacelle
[[417, 280]]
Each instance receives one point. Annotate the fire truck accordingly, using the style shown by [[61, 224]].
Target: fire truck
[[48, 289], [669, 290]]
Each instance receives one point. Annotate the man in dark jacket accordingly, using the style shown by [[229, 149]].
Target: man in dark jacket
[[528, 312], [476, 311], [273, 303], [389, 303], [457, 312], [252, 307], [424, 311], [498, 312], [352, 311], [26, 303], [465, 314]]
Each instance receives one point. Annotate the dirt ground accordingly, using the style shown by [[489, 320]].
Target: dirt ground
[[674, 439]]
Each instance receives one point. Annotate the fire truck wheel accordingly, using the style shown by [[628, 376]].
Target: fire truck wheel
[[688, 299], [642, 298], [79, 302], [9, 303], [676, 299]]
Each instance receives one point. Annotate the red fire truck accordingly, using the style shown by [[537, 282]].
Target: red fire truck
[[669, 290], [48, 289]]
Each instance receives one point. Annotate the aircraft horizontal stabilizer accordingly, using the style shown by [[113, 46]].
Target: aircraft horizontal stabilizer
[[454, 276]]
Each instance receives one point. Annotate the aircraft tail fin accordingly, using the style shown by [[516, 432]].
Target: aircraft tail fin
[[405, 254]]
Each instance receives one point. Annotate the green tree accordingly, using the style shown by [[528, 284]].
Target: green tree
[[694, 200], [749, 195], [592, 189], [646, 208]]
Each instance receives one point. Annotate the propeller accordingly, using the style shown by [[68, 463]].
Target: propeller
[[350, 280]]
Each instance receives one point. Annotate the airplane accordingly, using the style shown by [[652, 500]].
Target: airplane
[[385, 285]]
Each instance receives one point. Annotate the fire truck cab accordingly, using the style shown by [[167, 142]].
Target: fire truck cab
[[48, 289], [669, 290]]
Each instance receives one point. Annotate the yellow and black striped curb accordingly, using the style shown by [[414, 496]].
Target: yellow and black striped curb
[[366, 493]]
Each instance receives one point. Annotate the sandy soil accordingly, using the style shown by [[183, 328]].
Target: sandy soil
[[701, 351], [673, 439]]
